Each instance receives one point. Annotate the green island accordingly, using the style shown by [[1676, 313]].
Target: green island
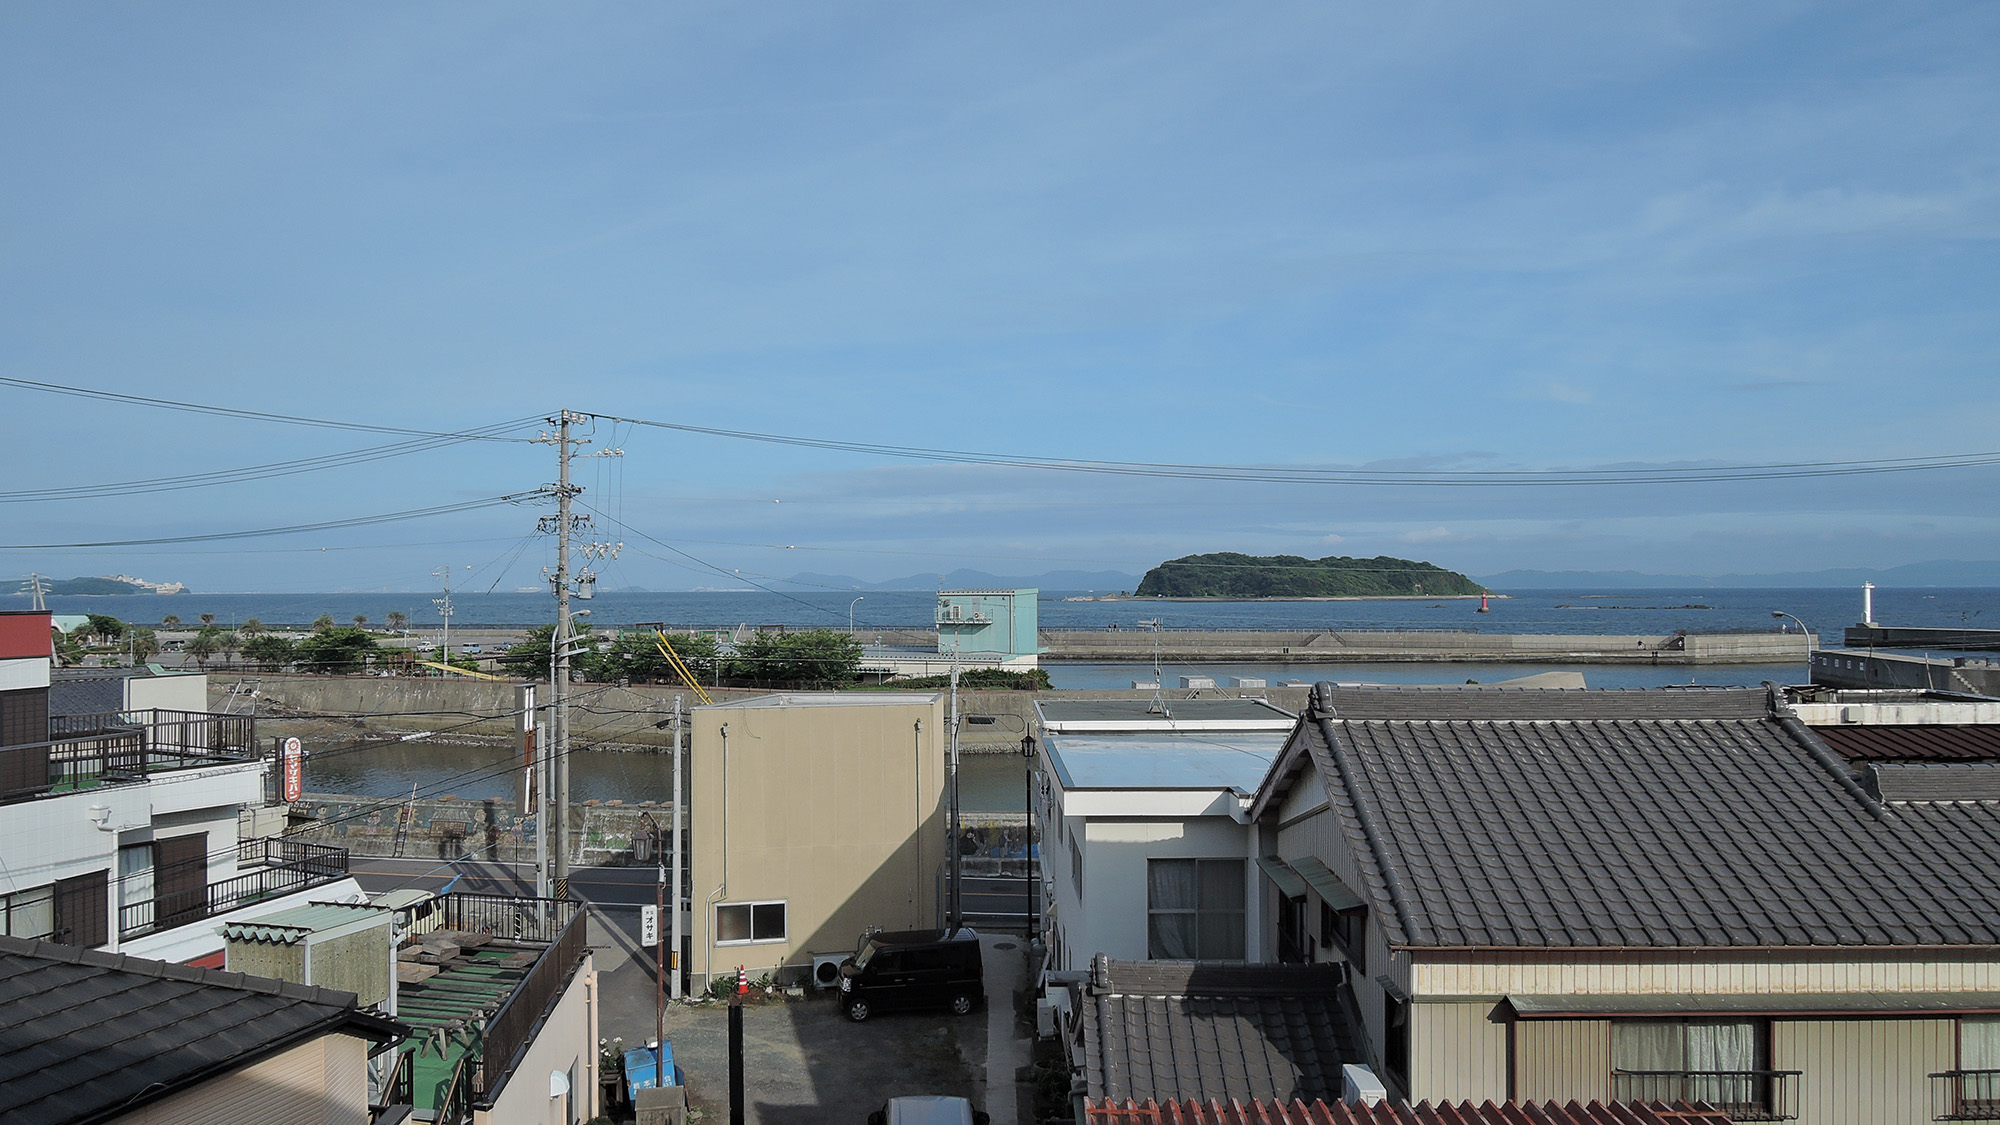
[[1229, 575]]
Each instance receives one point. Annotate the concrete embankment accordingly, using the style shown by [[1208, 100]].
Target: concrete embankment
[[1259, 646]]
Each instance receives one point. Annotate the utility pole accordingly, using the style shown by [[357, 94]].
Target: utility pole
[[953, 913], [444, 610], [674, 898]]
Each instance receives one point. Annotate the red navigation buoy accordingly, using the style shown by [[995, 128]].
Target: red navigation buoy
[[1482, 604]]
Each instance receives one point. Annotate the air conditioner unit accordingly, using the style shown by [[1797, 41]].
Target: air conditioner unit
[[826, 969], [1359, 1084]]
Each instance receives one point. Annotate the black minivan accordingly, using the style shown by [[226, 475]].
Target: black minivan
[[913, 969]]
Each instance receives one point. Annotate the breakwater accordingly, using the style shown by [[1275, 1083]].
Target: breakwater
[[1339, 647]]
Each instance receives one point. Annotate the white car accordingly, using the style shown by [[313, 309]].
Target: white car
[[928, 1109]]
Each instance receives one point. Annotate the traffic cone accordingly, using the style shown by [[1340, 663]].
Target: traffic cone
[[742, 981]]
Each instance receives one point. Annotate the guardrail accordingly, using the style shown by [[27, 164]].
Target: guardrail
[[288, 866], [559, 922], [1965, 1095], [1745, 1095]]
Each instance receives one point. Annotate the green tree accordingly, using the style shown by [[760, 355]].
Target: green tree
[[463, 662], [637, 656], [229, 642], [68, 648], [203, 644], [817, 658], [208, 619], [336, 650], [360, 621], [143, 643], [398, 620], [323, 622], [106, 626], [268, 649], [251, 627], [170, 621], [530, 656]]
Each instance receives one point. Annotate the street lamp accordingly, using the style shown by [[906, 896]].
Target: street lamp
[[850, 612], [1028, 842], [1781, 615]]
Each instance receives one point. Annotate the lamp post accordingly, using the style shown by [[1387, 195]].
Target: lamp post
[[1781, 615], [850, 612], [1028, 843]]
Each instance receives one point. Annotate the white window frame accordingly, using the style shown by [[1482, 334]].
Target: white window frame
[[751, 905]]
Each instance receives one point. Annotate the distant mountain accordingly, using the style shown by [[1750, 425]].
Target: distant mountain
[[106, 585], [1101, 580], [1938, 573], [1227, 574]]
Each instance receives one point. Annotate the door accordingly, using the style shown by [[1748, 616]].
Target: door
[[180, 879]]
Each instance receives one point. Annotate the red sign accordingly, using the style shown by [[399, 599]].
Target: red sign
[[295, 768]]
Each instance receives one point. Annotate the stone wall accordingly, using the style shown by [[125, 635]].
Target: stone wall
[[446, 829]]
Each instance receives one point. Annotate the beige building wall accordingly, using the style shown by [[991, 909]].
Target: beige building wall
[[1864, 1072], [1558, 972], [1561, 1060], [323, 1082], [832, 804], [566, 1045], [1457, 1052]]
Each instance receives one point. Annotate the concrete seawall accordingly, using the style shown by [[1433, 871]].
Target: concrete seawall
[[1256, 646]]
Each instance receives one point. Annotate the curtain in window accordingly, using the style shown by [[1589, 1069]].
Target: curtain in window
[[1646, 1045], [32, 914], [1172, 892], [1979, 1043], [1728, 1046]]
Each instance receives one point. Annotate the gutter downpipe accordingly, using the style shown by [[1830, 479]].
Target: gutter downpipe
[[722, 888]]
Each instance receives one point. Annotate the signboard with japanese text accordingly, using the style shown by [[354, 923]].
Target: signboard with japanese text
[[294, 758]]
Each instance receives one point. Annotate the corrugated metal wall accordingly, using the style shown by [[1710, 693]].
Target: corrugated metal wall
[[1559, 973], [1457, 1053], [1864, 1072], [1561, 1060]]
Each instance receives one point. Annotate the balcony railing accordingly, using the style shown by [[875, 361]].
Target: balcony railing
[[1745, 1095], [283, 867], [86, 751], [559, 922], [1965, 1095]]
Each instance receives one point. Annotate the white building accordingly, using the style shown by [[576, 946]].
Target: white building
[[1147, 840], [120, 830]]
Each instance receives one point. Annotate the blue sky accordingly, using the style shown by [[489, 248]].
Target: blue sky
[[1450, 236]]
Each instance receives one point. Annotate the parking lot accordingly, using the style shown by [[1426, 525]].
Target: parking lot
[[804, 1061]]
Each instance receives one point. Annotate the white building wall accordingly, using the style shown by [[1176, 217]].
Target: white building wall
[[187, 692], [566, 1045], [1115, 855]]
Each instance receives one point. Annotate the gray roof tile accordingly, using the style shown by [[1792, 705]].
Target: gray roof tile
[[1183, 1029], [86, 1036], [1622, 819]]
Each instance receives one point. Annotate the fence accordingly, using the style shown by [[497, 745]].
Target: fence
[[289, 865], [559, 922], [1746, 1095]]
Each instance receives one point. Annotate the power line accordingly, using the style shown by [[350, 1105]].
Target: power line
[[323, 525], [1271, 474], [249, 472], [251, 415]]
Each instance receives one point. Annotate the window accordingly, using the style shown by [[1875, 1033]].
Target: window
[[29, 914], [1346, 930], [1396, 1037], [1724, 1061], [1975, 1089], [742, 923], [1076, 866], [1194, 909]]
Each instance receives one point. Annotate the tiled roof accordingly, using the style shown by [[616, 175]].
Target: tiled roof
[[87, 1036], [1173, 1030], [1108, 1112], [1625, 819], [1969, 743]]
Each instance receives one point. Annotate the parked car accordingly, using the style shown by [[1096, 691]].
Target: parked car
[[913, 969], [471, 650], [928, 1109]]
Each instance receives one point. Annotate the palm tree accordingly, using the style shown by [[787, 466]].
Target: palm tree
[[398, 619], [208, 619], [251, 627], [229, 643], [360, 620], [323, 622], [201, 647], [170, 620]]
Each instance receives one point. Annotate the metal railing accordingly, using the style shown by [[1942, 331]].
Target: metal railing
[[1745, 1095], [398, 1089], [559, 923], [85, 751], [1965, 1095], [285, 866]]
